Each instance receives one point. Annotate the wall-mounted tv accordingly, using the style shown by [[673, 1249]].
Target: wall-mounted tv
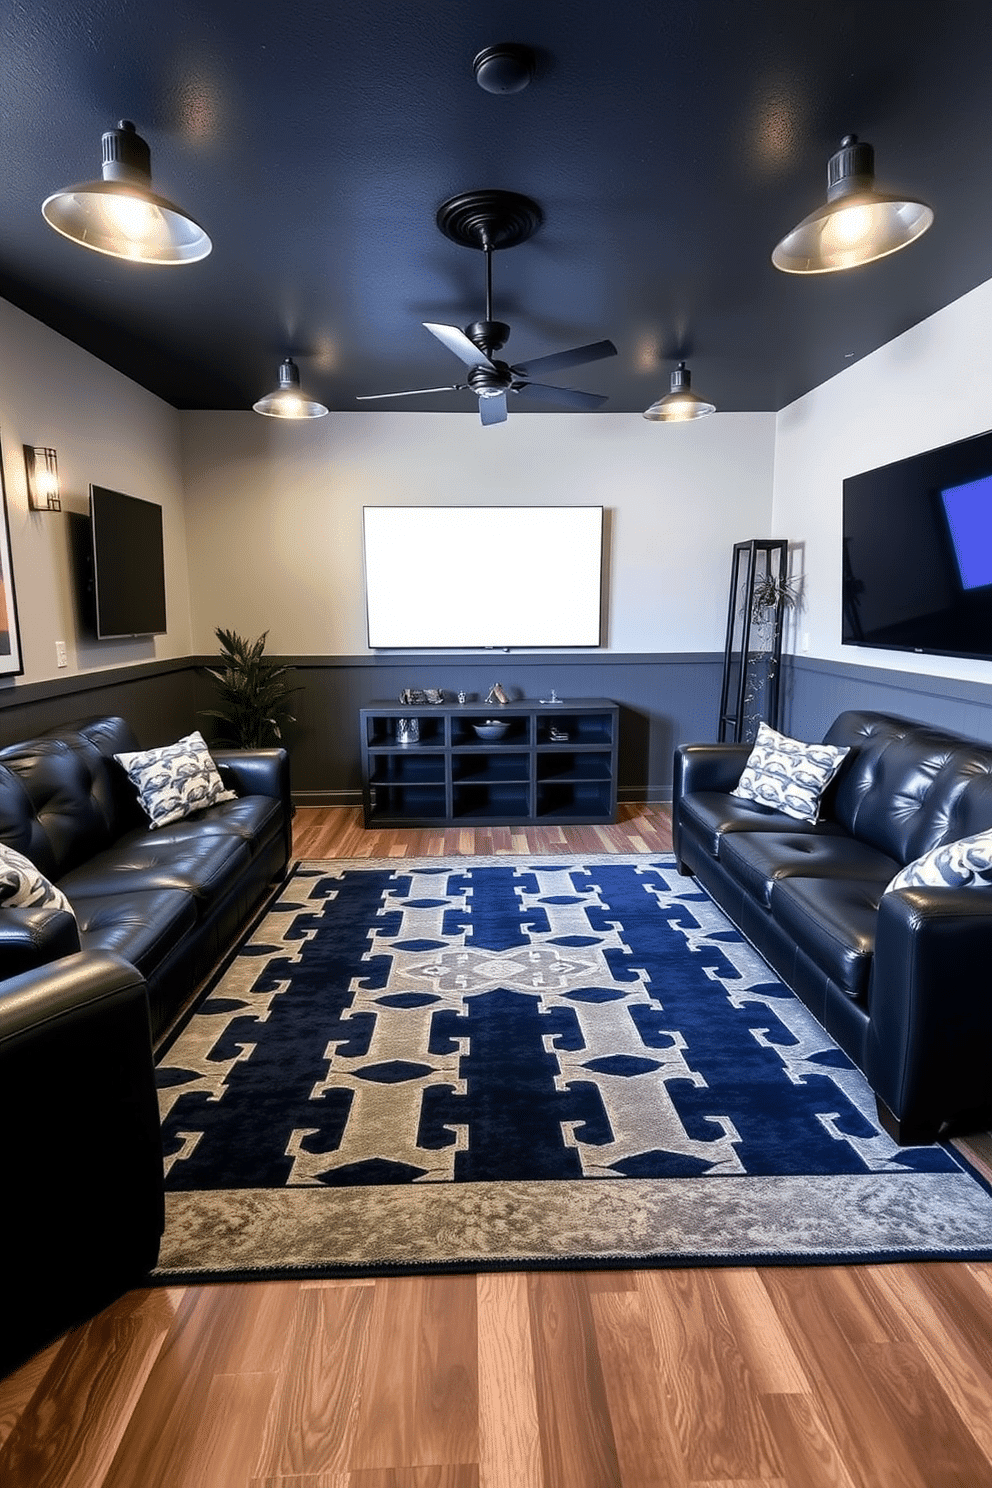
[[128, 565], [918, 553], [442, 577]]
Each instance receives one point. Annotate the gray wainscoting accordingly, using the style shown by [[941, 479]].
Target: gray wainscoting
[[665, 699], [157, 699], [814, 692]]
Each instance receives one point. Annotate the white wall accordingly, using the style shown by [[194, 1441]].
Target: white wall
[[274, 512], [928, 387], [107, 430]]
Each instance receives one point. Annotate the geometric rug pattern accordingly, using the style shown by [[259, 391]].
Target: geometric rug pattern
[[481, 1062]]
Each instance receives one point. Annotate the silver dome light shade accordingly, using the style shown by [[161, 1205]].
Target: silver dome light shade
[[120, 215], [681, 404], [287, 401], [856, 224]]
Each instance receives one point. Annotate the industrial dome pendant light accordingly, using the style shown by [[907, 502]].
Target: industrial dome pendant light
[[287, 401], [856, 224], [120, 214], [681, 403]]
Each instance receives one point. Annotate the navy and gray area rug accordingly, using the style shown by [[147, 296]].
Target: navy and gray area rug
[[476, 1063]]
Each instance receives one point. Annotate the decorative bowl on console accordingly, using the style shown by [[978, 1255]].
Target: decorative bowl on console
[[492, 728]]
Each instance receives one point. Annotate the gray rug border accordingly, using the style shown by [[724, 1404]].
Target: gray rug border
[[479, 1227], [226, 1236]]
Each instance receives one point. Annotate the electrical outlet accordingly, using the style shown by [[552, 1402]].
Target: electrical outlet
[[61, 658]]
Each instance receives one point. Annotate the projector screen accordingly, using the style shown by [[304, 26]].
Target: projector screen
[[476, 576]]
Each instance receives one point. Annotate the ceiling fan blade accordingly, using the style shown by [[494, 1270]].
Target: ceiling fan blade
[[570, 397], [493, 410], [457, 341], [453, 387], [559, 360]]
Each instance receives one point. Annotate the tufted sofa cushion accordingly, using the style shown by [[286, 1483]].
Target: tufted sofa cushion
[[140, 861], [58, 818], [907, 788], [98, 740]]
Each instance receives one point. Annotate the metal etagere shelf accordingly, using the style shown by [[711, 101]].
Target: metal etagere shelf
[[751, 672]]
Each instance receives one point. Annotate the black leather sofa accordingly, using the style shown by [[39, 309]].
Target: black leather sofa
[[901, 980], [81, 1149], [170, 900], [84, 996]]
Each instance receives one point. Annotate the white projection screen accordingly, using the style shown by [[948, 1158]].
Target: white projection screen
[[478, 576]]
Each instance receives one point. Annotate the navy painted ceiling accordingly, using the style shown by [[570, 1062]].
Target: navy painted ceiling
[[668, 145]]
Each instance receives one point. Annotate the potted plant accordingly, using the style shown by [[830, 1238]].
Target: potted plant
[[771, 591], [253, 693], [773, 594]]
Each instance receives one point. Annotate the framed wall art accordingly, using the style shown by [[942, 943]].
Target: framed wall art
[[11, 660]]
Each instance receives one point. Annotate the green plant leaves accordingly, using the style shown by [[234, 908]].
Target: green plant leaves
[[252, 692]]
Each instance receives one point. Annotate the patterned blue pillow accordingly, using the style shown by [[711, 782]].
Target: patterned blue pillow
[[787, 775], [176, 780], [965, 864], [22, 883]]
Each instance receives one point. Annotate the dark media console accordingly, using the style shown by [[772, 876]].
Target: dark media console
[[553, 764]]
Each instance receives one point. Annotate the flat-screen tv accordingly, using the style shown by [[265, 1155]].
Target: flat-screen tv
[[473, 577], [128, 565], [918, 553]]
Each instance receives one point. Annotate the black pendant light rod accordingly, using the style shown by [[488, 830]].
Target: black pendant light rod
[[489, 276]]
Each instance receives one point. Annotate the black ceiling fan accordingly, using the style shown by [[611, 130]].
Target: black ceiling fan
[[488, 220]]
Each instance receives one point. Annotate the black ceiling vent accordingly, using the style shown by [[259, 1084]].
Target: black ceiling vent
[[505, 68]]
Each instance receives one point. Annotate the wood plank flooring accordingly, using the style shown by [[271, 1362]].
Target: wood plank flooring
[[323, 833], [784, 1377]]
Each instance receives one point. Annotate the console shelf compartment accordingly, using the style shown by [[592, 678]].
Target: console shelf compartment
[[554, 762], [489, 766], [574, 766], [406, 769]]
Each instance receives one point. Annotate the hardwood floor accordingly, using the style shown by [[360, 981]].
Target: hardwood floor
[[787, 1377], [321, 833]]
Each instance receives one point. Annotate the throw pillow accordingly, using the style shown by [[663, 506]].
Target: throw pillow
[[176, 780], [788, 775], [965, 864], [24, 884]]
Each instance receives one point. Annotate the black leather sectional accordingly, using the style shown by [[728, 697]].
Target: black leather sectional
[[82, 999], [901, 980]]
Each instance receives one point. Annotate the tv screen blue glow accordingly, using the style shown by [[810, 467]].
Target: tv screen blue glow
[[969, 517]]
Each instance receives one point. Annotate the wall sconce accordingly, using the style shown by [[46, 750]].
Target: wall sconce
[[42, 469]]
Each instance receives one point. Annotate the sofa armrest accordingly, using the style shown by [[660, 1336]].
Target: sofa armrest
[[708, 767], [929, 1052], [34, 936], [260, 772], [255, 772], [703, 767], [80, 1144]]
